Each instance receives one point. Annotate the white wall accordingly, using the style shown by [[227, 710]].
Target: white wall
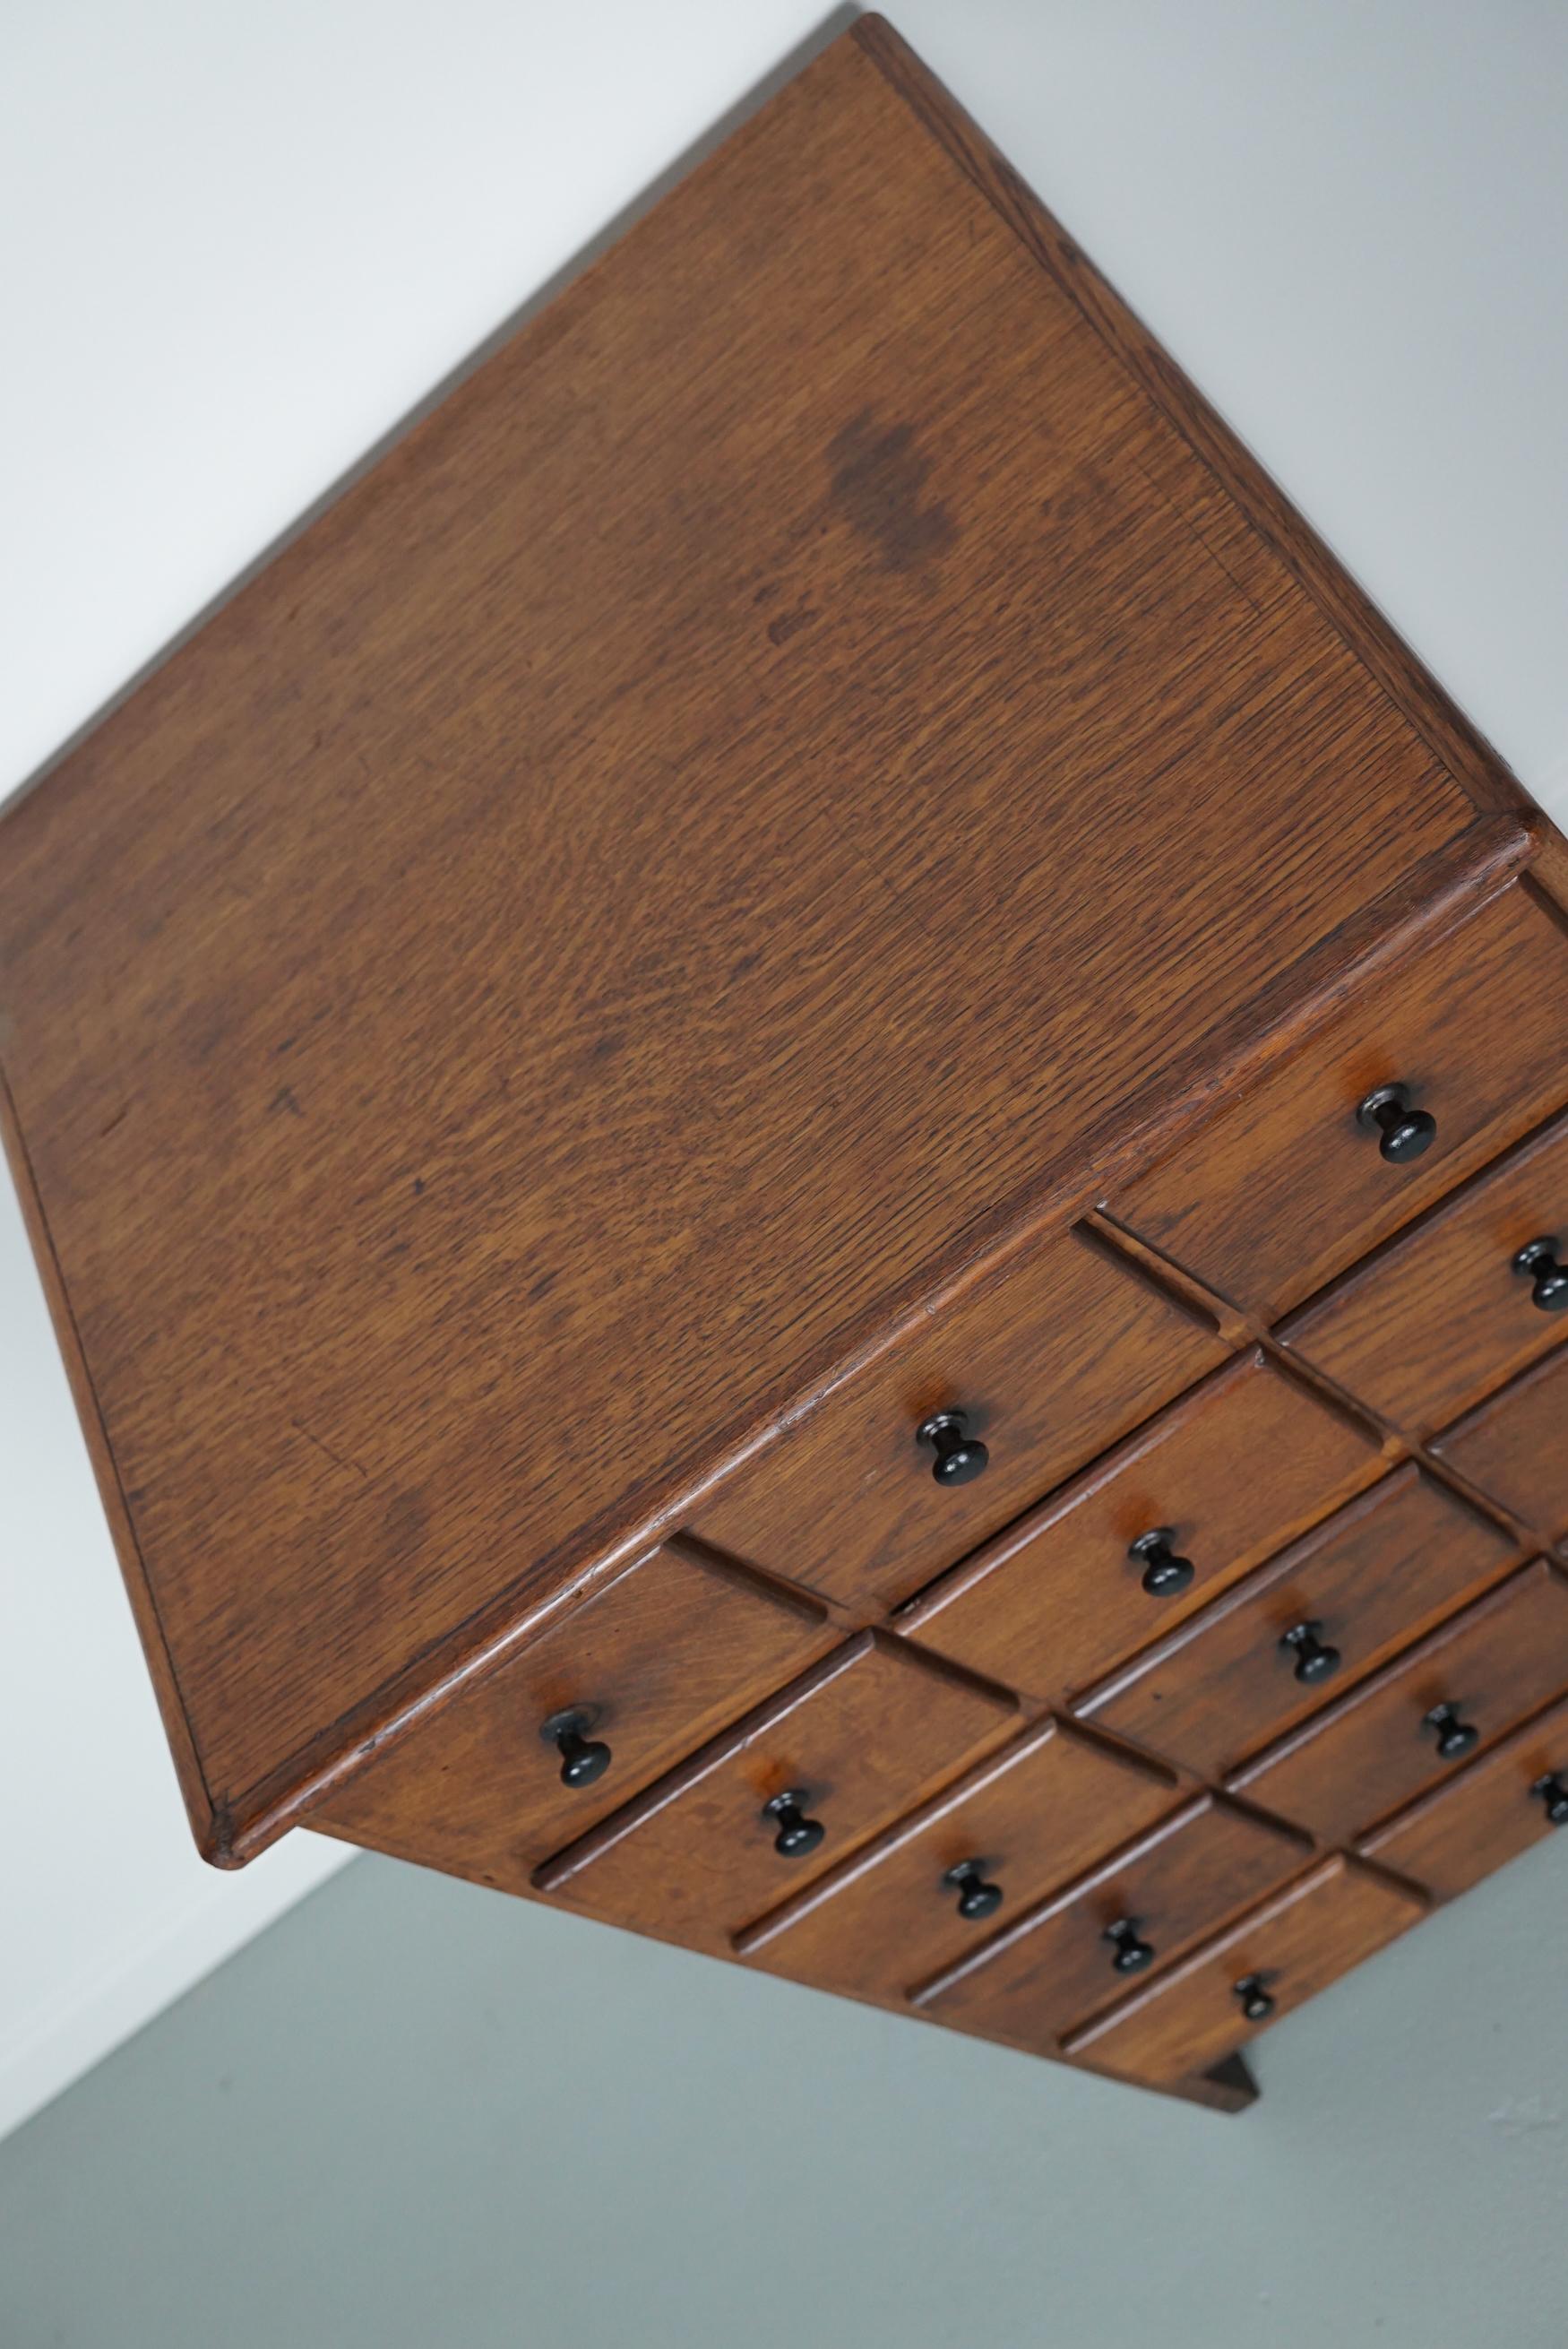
[[240, 240]]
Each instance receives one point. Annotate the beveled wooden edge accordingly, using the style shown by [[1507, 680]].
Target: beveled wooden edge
[[209, 1823], [1050, 1731], [563, 1865], [1369, 1846], [1126, 1855], [1436, 893], [1492, 1601], [1545, 1366], [786, 1598], [1453, 738], [1331, 1869]]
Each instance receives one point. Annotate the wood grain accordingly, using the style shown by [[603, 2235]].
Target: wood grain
[[1365, 1756], [1299, 1943], [1381, 1572], [409, 1037], [664, 1656], [1233, 1470], [1440, 1317], [1034, 1816], [1514, 1448], [1283, 1187], [870, 1731], [1046, 1974], [1477, 1822], [1055, 1355]]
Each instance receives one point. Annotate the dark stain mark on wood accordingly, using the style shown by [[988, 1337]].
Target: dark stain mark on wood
[[339, 1459], [878, 484], [789, 624], [283, 1099]]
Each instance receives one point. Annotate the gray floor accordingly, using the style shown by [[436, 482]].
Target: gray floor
[[415, 2114]]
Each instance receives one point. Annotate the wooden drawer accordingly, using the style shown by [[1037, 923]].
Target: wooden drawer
[[663, 1657], [870, 1730], [1286, 1186], [1381, 1572], [1489, 1814], [1230, 1473], [1050, 1359], [1046, 1974], [1442, 1317], [1283, 1954], [1030, 1818], [1515, 1447], [1378, 1747]]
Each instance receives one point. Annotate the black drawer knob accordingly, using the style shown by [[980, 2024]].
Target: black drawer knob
[[960, 1457], [1164, 1574], [1257, 2002], [1132, 1952], [1315, 1661], [1552, 1791], [1456, 1738], [1547, 1276], [583, 1759], [1403, 1133], [976, 1897], [797, 1834]]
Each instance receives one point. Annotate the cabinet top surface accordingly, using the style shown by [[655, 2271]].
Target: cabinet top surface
[[796, 750]]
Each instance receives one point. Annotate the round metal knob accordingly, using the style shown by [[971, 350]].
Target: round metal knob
[[1548, 1278], [1313, 1661], [1552, 1790], [797, 1834], [1456, 1738], [1132, 1952], [1404, 1132], [976, 1897], [1164, 1574], [583, 1759], [960, 1457], [1257, 2003]]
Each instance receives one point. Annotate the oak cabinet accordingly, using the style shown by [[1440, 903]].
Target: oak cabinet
[[773, 1092]]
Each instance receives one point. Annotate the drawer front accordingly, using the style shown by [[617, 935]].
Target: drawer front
[[1443, 1317], [779, 1797], [1032, 1818], [666, 1655], [1514, 1448], [1049, 1360], [1078, 1951], [1285, 1185], [1490, 1814], [1379, 1574], [1248, 1976], [1380, 1746], [1227, 1475]]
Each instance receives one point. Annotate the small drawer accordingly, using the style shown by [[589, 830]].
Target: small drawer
[[1490, 1814], [1028, 1819], [661, 1657], [1514, 1448], [1078, 1951], [1204, 1492], [1048, 1359], [1248, 1976], [1449, 1311], [1461, 1690], [779, 1797], [1338, 1603], [1285, 1184]]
